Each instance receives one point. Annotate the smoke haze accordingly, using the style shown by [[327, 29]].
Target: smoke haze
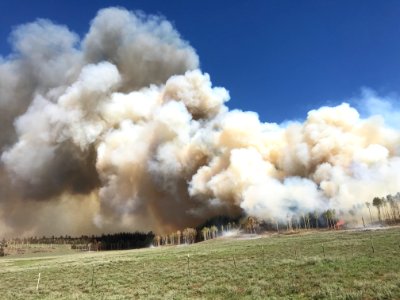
[[122, 131]]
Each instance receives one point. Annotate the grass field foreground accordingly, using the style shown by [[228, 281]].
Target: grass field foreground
[[316, 265]]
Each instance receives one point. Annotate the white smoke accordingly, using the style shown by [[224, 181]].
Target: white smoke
[[122, 131]]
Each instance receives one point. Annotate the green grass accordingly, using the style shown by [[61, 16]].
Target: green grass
[[277, 267]]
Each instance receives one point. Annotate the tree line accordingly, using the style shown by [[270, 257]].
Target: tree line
[[116, 241], [216, 227], [192, 235], [388, 208]]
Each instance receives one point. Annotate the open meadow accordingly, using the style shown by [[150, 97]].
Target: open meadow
[[312, 265]]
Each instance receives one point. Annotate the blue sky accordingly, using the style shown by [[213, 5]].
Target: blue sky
[[278, 58]]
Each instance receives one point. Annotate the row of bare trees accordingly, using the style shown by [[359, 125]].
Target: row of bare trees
[[316, 220], [187, 236], [191, 235], [388, 208], [249, 225], [209, 232]]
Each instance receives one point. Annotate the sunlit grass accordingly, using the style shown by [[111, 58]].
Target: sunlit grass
[[275, 267]]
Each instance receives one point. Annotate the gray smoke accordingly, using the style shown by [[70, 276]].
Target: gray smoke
[[122, 131]]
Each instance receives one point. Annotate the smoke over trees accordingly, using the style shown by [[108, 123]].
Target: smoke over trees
[[121, 131]]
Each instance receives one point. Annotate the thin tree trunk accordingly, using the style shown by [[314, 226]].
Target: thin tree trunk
[[370, 214]]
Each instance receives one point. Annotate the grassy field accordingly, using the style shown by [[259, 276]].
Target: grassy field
[[316, 265]]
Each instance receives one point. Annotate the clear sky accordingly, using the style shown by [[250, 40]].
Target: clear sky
[[279, 58]]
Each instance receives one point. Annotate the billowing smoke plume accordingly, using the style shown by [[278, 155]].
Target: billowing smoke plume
[[122, 131]]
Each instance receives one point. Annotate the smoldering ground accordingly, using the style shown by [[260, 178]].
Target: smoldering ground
[[121, 130]]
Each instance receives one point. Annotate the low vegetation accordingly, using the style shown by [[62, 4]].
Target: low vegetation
[[312, 265]]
